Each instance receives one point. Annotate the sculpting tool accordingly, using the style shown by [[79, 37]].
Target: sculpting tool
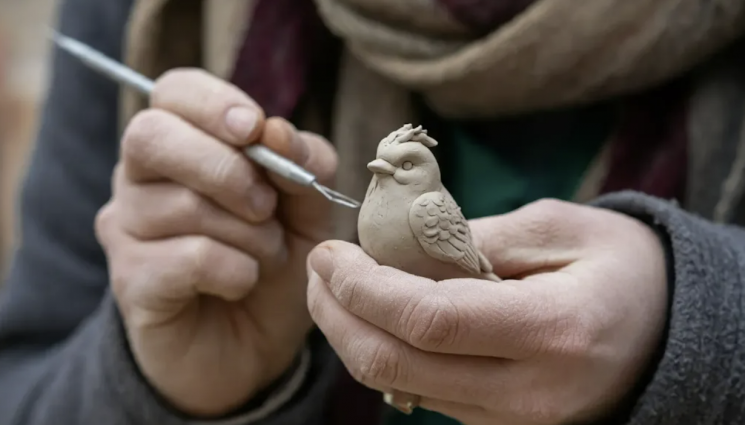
[[259, 153]]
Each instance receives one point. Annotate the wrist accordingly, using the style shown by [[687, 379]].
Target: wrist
[[275, 394], [623, 410]]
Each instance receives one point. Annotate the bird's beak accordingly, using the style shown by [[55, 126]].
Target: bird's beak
[[381, 166]]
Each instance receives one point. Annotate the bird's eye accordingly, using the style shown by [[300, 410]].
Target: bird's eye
[[407, 165]]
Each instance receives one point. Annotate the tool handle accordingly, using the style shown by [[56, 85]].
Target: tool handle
[[279, 165], [125, 75]]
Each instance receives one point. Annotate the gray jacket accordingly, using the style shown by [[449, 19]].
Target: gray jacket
[[64, 357]]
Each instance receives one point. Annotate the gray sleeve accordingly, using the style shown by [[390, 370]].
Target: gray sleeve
[[64, 357], [700, 376]]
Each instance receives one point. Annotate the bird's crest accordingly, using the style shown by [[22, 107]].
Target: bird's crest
[[408, 133]]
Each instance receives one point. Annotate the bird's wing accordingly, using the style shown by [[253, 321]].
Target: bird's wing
[[443, 232]]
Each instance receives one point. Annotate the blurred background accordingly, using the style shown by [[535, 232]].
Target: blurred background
[[23, 73]]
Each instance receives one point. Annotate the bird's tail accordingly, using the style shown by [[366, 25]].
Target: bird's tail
[[492, 277]]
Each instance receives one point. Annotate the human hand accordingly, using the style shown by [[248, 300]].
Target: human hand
[[206, 251], [564, 341]]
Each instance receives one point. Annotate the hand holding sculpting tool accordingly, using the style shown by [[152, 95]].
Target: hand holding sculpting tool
[[259, 153]]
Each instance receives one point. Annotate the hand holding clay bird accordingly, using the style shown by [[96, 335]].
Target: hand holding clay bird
[[409, 220]]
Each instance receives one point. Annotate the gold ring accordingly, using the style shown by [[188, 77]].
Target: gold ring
[[404, 402]]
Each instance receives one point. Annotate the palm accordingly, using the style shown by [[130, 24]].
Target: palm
[[228, 348], [211, 355]]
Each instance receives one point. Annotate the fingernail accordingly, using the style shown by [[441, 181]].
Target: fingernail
[[321, 261], [301, 147], [241, 121]]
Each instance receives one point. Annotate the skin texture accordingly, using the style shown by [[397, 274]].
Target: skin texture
[[206, 251], [561, 340], [409, 220]]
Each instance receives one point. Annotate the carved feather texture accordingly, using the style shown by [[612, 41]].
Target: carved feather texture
[[443, 232]]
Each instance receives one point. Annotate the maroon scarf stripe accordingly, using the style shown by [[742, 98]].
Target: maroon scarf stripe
[[484, 16], [272, 64], [649, 151]]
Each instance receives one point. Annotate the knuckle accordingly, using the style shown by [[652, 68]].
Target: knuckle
[[229, 172], [568, 333], [344, 286], [549, 330], [198, 256], [233, 288], [549, 206], [145, 127], [433, 323], [213, 91], [181, 211], [379, 365], [104, 219], [189, 207], [133, 280], [544, 220], [177, 78], [347, 284], [124, 273], [575, 339], [548, 210], [219, 97], [532, 338]]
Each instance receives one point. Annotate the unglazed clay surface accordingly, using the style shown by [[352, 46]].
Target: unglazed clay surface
[[409, 220]]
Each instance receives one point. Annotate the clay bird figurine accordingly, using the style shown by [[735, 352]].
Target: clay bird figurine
[[409, 220]]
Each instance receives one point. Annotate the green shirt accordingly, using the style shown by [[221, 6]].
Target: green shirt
[[541, 156]]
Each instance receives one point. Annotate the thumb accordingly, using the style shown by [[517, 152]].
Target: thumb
[[302, 210], [543, 236]]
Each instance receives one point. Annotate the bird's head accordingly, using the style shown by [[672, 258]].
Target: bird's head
[[404, 159]]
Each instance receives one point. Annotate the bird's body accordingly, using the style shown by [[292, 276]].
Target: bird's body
[[387, 235], [409, 220]]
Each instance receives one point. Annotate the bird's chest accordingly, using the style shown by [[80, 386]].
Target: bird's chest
[[384, 230]]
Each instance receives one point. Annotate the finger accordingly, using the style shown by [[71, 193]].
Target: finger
[[282, 137], [164, 210], [214, 105], [160, 145], [155, 275], [303, 209], [378, 360], [543, 236], [309, 150], [512, 320]]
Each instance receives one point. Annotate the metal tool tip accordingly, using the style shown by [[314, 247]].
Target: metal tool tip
[[336, 197]]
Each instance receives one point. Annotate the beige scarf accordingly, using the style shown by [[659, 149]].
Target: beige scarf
[[556, 53]]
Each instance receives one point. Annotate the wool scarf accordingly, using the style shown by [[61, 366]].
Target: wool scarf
[[486, 59]]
